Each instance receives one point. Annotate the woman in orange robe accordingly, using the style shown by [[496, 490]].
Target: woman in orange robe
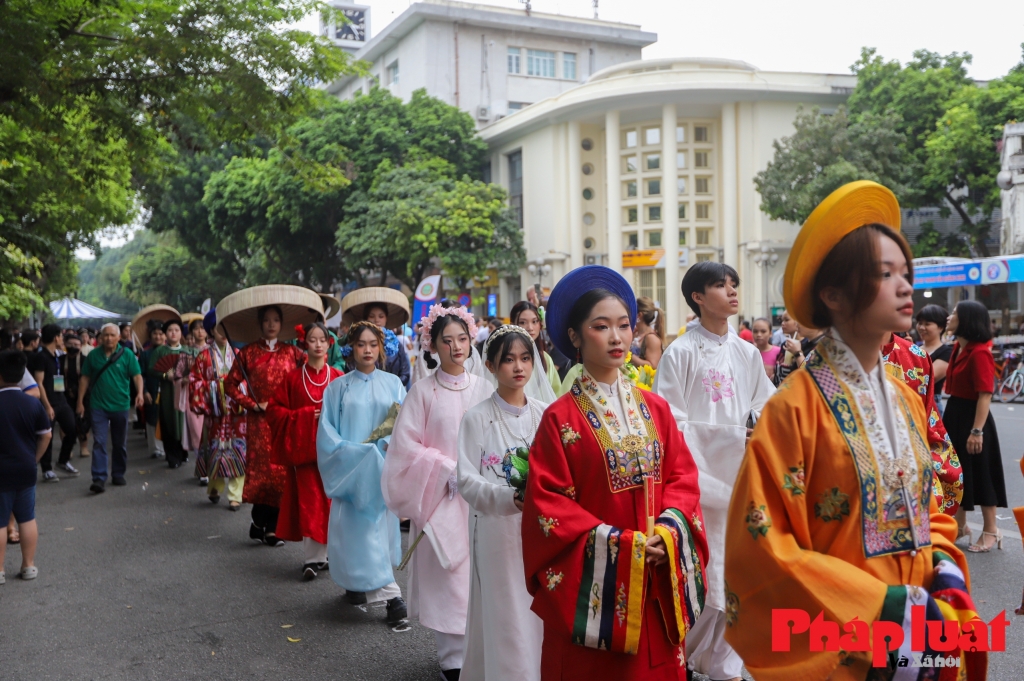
[[833, 511], [613, 541]]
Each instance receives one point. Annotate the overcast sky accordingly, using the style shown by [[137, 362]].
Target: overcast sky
[[788, 35], [798, 35]]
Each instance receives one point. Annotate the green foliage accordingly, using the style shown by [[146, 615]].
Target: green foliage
[[366, 186], [826, 152], [99, 280], [166, 272], [931, 243], [95, 94], [923, 129]]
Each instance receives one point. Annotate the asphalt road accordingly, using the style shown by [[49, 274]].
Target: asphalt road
[[151, 581]]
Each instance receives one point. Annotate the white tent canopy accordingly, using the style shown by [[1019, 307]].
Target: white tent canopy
[[73, 308]]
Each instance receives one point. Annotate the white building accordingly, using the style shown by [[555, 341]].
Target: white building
[[655, 155], [488, 61], [1011, 181]]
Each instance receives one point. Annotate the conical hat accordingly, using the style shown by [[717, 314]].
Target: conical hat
[[237, 312], [140, 321], [331, 304], [354, 304], [189, 317]]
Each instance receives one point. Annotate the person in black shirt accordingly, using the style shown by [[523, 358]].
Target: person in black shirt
[[71, 366], [25, 432], [931, 325], [45, 367]]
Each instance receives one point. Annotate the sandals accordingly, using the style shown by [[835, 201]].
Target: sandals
[[962, 532], [13, 537], [978, 548]]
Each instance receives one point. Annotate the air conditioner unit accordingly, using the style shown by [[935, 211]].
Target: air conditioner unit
[[596, 259], [483, 113]]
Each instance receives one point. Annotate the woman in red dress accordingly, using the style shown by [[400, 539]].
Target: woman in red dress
[[294, 415], [222, 457], [613, 540], [262, 366]]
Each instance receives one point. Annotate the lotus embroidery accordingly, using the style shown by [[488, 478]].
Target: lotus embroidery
[[795, 480], [718, 384]]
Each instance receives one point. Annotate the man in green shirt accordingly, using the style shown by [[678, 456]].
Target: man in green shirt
[[110, 371]]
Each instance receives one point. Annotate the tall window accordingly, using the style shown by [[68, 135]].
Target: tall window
[[700, 134], [393, 73], [515, 185], [515, 56], [651, 283], [540, 63], [569, 65]]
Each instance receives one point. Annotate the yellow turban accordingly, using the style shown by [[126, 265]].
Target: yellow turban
[[851, 206]]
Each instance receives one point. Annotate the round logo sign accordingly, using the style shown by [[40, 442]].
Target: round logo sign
[[993, 271], [427, 290], [464, 299]]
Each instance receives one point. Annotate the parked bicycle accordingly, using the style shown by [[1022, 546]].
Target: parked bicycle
[[1012, 383]]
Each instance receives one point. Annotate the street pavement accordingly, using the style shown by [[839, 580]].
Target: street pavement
[[152, 581]]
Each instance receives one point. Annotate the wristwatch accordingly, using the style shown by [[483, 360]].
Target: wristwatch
[[977, 431]]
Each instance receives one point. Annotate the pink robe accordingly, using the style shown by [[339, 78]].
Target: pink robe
[[421, 459]]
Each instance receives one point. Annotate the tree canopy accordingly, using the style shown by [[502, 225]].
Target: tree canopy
[[367, 187], [94, 94], [923, 129]]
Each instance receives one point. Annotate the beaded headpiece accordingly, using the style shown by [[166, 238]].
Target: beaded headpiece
[[438, 310], [504, 331]]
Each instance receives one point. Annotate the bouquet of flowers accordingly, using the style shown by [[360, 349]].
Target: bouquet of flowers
[[642, 377], [516, 467]]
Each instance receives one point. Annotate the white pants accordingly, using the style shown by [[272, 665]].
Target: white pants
[[707, 651], [155, 446], [313, 551], [451, 649]]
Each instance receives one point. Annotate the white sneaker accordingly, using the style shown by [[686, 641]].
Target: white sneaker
[[69, 469], [3, 577], [50, 476]]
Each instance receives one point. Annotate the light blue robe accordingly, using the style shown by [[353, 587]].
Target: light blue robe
[[363, 538]]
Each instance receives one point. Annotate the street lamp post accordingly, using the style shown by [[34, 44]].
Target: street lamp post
[[538, 268], [765, 258]]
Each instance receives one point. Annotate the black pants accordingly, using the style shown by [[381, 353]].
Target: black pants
[[265, 517], [176, 454], [65, 417]]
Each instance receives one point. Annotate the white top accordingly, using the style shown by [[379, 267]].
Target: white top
[[713, 385]]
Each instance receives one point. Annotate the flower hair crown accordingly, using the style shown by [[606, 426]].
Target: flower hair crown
[[504, 330], [437, 310], [390, 339]]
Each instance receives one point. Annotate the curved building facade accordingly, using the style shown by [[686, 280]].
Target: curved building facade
[[653, 159]]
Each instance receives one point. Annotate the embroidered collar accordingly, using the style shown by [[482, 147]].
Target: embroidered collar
[[713, 337], [603, 406], [892, 461], [508, 408]]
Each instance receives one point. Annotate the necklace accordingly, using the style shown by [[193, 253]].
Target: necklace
[[306, 377], [503, 427]]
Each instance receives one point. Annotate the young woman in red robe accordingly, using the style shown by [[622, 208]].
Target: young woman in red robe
[[294, 415], [613, 542], [262, 366]]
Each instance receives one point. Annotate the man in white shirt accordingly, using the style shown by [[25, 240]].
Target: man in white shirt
[[715, 383]]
